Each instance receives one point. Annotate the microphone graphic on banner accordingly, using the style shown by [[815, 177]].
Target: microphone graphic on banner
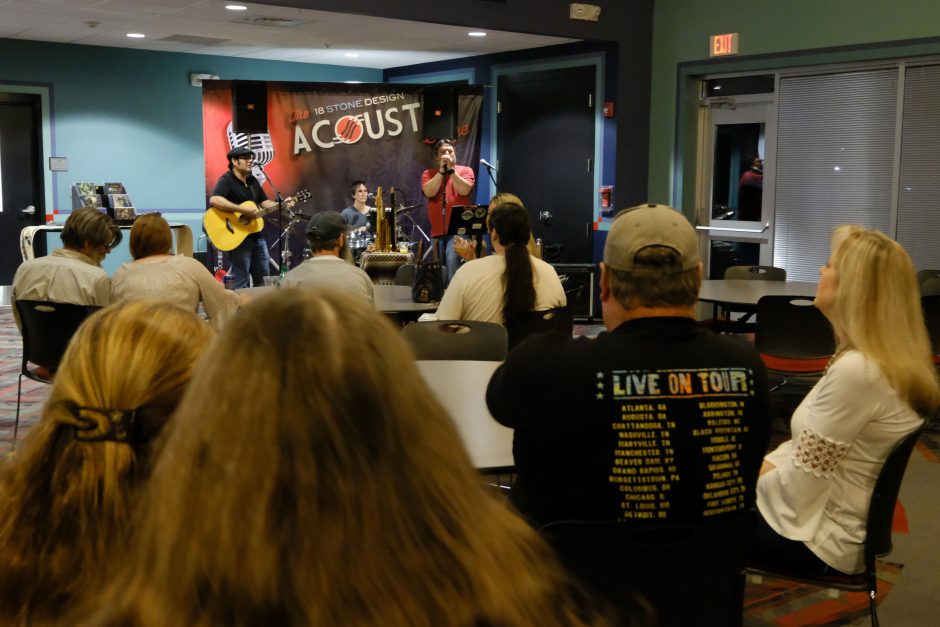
[[261, 147]]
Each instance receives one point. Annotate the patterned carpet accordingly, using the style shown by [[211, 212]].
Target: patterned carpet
[[34, 394]]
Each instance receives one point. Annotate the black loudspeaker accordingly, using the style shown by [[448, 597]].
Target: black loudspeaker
[[249, 106], [439, 113], [578, 281]]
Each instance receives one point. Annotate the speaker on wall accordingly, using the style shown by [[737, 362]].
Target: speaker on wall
[[439, 113], [249, 106], [578, 281]]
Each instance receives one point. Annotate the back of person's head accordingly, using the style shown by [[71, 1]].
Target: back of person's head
[[327, 488], [510, 221], [651, 258], [877, 311], [66, 495], [90, 225], [150, 236], [505, 198], [324, 230]]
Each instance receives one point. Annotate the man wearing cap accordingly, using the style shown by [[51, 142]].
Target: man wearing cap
[[237, 186], [658, 419], [328, 268]]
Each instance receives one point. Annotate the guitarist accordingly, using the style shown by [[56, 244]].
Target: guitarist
[[250, 258]]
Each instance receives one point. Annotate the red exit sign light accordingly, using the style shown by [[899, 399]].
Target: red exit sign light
[[722, 45]]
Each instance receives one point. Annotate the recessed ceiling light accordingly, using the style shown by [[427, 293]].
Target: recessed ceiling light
[[351, 55], [477, 33], [236, 7], [136, 35]]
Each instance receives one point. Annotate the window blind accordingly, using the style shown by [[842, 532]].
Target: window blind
[[835, 151], [919, 183]]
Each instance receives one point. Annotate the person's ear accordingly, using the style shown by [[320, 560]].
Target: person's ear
[[604, 282]]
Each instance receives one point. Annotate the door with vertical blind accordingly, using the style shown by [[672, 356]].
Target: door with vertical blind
[[736, 181]]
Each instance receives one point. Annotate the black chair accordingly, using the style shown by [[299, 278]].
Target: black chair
[[926, 275], [930, 287], [931, 306], [748, 273], [793, 337], [558, 319], [405, 275], [692, 574], [47, 329], [877, 530], [466, 340]]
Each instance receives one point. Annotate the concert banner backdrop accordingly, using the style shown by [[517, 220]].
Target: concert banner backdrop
[[323, 136]]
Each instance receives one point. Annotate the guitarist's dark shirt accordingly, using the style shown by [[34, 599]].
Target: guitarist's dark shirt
[[232, 189]]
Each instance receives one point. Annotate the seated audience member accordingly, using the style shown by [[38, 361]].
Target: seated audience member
[[508, 283], [466, 248], [657, 419], [73, 273], [295, 498], [328, 267], [814, 489], [66, 496], [156, 274]]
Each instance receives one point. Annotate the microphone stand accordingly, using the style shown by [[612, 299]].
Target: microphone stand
[[444, 175], [489, 170], [284, 239]]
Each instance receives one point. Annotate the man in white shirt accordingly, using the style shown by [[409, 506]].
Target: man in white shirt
[[73, 273], [328, 268]]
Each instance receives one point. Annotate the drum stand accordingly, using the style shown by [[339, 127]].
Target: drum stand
[[284, 237]]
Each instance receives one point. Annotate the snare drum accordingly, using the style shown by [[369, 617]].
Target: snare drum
[[358, 241]]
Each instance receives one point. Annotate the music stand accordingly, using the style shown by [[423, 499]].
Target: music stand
[[468, 221]]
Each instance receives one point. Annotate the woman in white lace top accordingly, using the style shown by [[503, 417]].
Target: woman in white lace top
[[814, 489], [157, 274]]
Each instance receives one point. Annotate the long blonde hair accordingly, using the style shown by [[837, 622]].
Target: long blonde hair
[[326, 488], [66, 501], [877, 311]]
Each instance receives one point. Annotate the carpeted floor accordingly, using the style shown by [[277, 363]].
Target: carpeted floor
[[907, 589]]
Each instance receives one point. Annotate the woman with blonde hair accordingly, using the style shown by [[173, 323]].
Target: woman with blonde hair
[[814, 490], [67, 494], [157, 274], [298, 498]]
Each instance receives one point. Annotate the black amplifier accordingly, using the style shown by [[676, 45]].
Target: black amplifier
[[578, 281]]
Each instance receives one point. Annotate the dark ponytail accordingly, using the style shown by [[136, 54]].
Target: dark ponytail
[[511, 222]]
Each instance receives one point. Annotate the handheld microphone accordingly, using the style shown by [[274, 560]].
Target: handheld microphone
[[371, 196], [489, 165]]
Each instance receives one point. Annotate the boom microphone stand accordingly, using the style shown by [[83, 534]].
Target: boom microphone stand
[[284, 239]]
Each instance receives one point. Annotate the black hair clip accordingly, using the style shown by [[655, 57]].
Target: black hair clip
[[120, 422]]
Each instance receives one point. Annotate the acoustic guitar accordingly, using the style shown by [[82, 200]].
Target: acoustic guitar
[[228, 229]]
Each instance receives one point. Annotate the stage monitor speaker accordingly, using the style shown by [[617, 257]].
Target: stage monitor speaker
[[439, 113], [578, 281], [249, 106]]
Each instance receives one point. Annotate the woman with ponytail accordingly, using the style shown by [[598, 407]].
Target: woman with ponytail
[[506, 284]]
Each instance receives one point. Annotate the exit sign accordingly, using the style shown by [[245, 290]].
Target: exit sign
[[721, 45]]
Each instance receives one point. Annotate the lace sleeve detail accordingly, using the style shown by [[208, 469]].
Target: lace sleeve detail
[[817, 454]]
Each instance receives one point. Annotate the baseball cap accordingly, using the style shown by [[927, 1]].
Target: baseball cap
[[234, 153], [642, 226], [326, 226]]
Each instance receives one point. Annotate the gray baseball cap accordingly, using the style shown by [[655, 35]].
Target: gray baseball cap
[[642, 226]]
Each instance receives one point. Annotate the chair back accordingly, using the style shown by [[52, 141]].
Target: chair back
[[471, 340], [405, 275], [925, 275], [883, 500], [47, 329], [931, 306], [755, 273], [692, 574], [930, 287], [558, 319], [790, 327]]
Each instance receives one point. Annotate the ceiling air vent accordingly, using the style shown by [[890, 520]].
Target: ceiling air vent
[[193, 39], [277, 22]]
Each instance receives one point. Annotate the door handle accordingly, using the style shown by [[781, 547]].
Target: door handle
[[30, 210]]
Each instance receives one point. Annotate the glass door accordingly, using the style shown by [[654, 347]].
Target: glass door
[[735, 181]]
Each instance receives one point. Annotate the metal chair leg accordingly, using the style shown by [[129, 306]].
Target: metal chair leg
[[16, 423]]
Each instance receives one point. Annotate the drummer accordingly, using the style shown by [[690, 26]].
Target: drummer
[[357, 214]]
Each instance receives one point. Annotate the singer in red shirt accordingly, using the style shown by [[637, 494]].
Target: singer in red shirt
[[460, 180]]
